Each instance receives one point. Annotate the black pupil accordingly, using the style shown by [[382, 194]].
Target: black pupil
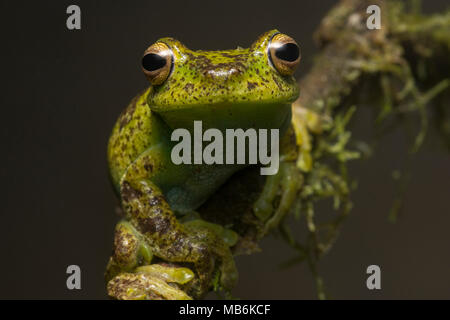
[[288, 52], [153, 61]]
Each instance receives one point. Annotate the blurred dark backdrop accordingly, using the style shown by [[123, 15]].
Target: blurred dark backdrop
[[61, 94]]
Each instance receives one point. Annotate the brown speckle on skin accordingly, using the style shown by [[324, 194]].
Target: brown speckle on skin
[[251, 85], [157, 224], [148, 167], [129, 193], [155, 201], [188, 87], [126, 116], [277, 82]]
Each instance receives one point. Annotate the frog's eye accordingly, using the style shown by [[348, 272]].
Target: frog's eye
[[284, 54], [157, 63]]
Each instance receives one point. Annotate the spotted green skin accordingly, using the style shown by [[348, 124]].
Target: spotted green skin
[[224, 89]]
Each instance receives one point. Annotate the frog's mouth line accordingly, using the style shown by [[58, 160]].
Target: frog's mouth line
[[221, 103]]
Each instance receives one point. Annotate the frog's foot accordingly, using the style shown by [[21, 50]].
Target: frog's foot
[[151, 282], [278, 195]]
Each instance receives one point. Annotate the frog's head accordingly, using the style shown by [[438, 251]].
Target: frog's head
[[243, 88]]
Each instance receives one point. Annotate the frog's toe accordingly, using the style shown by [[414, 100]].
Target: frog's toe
[[173, 274], [228, 236], [152, 282]]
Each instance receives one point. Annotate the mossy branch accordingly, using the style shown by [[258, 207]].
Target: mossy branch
[[402, 70]]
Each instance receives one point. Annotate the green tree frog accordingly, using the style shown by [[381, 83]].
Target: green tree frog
[[163, 249]]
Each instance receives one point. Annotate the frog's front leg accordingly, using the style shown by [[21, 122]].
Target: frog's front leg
[[284, 185], [150, 214]]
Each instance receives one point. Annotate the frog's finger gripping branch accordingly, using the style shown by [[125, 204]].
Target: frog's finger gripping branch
[[153, 282]]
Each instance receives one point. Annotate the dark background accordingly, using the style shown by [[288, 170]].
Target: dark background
[[61, 94]]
